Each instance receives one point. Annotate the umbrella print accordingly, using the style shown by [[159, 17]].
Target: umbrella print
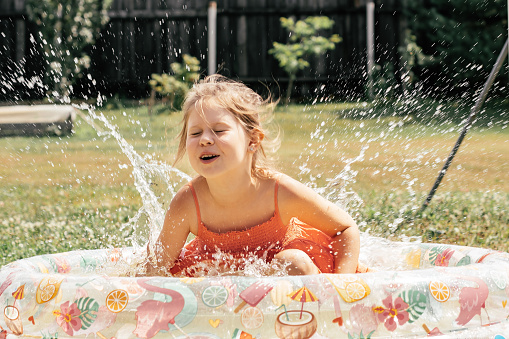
[[303, 295], [19, 293]]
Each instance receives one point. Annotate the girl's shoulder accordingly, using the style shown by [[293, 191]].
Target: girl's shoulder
[[289, 187], [182, 206], [184, 194], [294, 196], [198, 183], [188, 193]]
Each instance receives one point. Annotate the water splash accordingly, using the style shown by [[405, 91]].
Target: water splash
[[337, 189], [156, 182], [249, 265]]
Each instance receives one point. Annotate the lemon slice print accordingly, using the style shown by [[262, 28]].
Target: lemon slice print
[[214, 296], [117, 300], [351, 289], [355, 291], [48, 292], [47, 289]]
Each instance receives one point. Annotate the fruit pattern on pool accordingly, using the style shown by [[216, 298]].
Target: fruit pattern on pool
[[442, 289]]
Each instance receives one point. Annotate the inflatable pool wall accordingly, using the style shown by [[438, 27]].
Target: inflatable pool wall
[[418, 290]]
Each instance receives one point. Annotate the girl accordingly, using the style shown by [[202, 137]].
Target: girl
[[238, 205]]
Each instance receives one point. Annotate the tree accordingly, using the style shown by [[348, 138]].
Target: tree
[[464, 37], [66, 28], [304, 42]]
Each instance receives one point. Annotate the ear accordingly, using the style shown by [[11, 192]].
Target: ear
[[256, 138]]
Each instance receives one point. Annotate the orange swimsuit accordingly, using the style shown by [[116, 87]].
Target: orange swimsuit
[[264, 240]]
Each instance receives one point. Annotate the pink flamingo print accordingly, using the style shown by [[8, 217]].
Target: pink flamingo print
[[7, 282], [153, 316], [472, 300]]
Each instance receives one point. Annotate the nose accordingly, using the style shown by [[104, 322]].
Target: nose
[[206, 139]]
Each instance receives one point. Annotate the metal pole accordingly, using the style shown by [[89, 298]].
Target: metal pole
[[370, 44], [211, 27], [471, 118]]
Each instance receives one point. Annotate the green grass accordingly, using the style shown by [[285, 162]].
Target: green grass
[[77, 192]]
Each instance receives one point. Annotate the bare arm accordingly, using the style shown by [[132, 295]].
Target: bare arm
[[298, 200], [172, 238]]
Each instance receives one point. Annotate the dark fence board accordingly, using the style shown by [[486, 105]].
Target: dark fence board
[[146, 36]]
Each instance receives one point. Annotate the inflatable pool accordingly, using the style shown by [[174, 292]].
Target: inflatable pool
[[417, 290]]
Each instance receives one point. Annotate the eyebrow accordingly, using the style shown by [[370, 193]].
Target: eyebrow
[[222, 123]]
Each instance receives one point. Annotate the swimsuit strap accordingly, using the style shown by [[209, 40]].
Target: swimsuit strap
[[276, 186], [195, 202]]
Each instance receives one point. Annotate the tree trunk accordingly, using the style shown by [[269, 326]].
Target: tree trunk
[[290, 88]]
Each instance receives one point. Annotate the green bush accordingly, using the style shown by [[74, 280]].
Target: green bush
[[173, 88], [66, 28]]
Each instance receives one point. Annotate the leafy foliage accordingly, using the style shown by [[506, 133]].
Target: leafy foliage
[[89, 308], [434, 252], [384, 83], [413, 56], [305, 41], [464, 37], [65, 29], [173, 88], [416, 301], [386, 86]]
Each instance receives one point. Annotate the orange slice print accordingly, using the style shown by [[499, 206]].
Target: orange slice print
[[117, 300], [252, 318], [439, 291]]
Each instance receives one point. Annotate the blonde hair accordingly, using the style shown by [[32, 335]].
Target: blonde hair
[[244, 104]]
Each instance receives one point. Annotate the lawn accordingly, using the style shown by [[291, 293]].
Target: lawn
[[379, 162]]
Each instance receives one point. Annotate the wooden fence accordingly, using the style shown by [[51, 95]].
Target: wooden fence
[[146, 36]]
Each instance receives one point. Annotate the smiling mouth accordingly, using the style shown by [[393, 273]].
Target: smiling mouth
[[208, 157]]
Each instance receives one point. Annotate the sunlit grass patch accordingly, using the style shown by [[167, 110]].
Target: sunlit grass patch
[[56, 219], [464, 218]]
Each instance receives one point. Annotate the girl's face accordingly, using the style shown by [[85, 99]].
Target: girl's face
[[217, 143]]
